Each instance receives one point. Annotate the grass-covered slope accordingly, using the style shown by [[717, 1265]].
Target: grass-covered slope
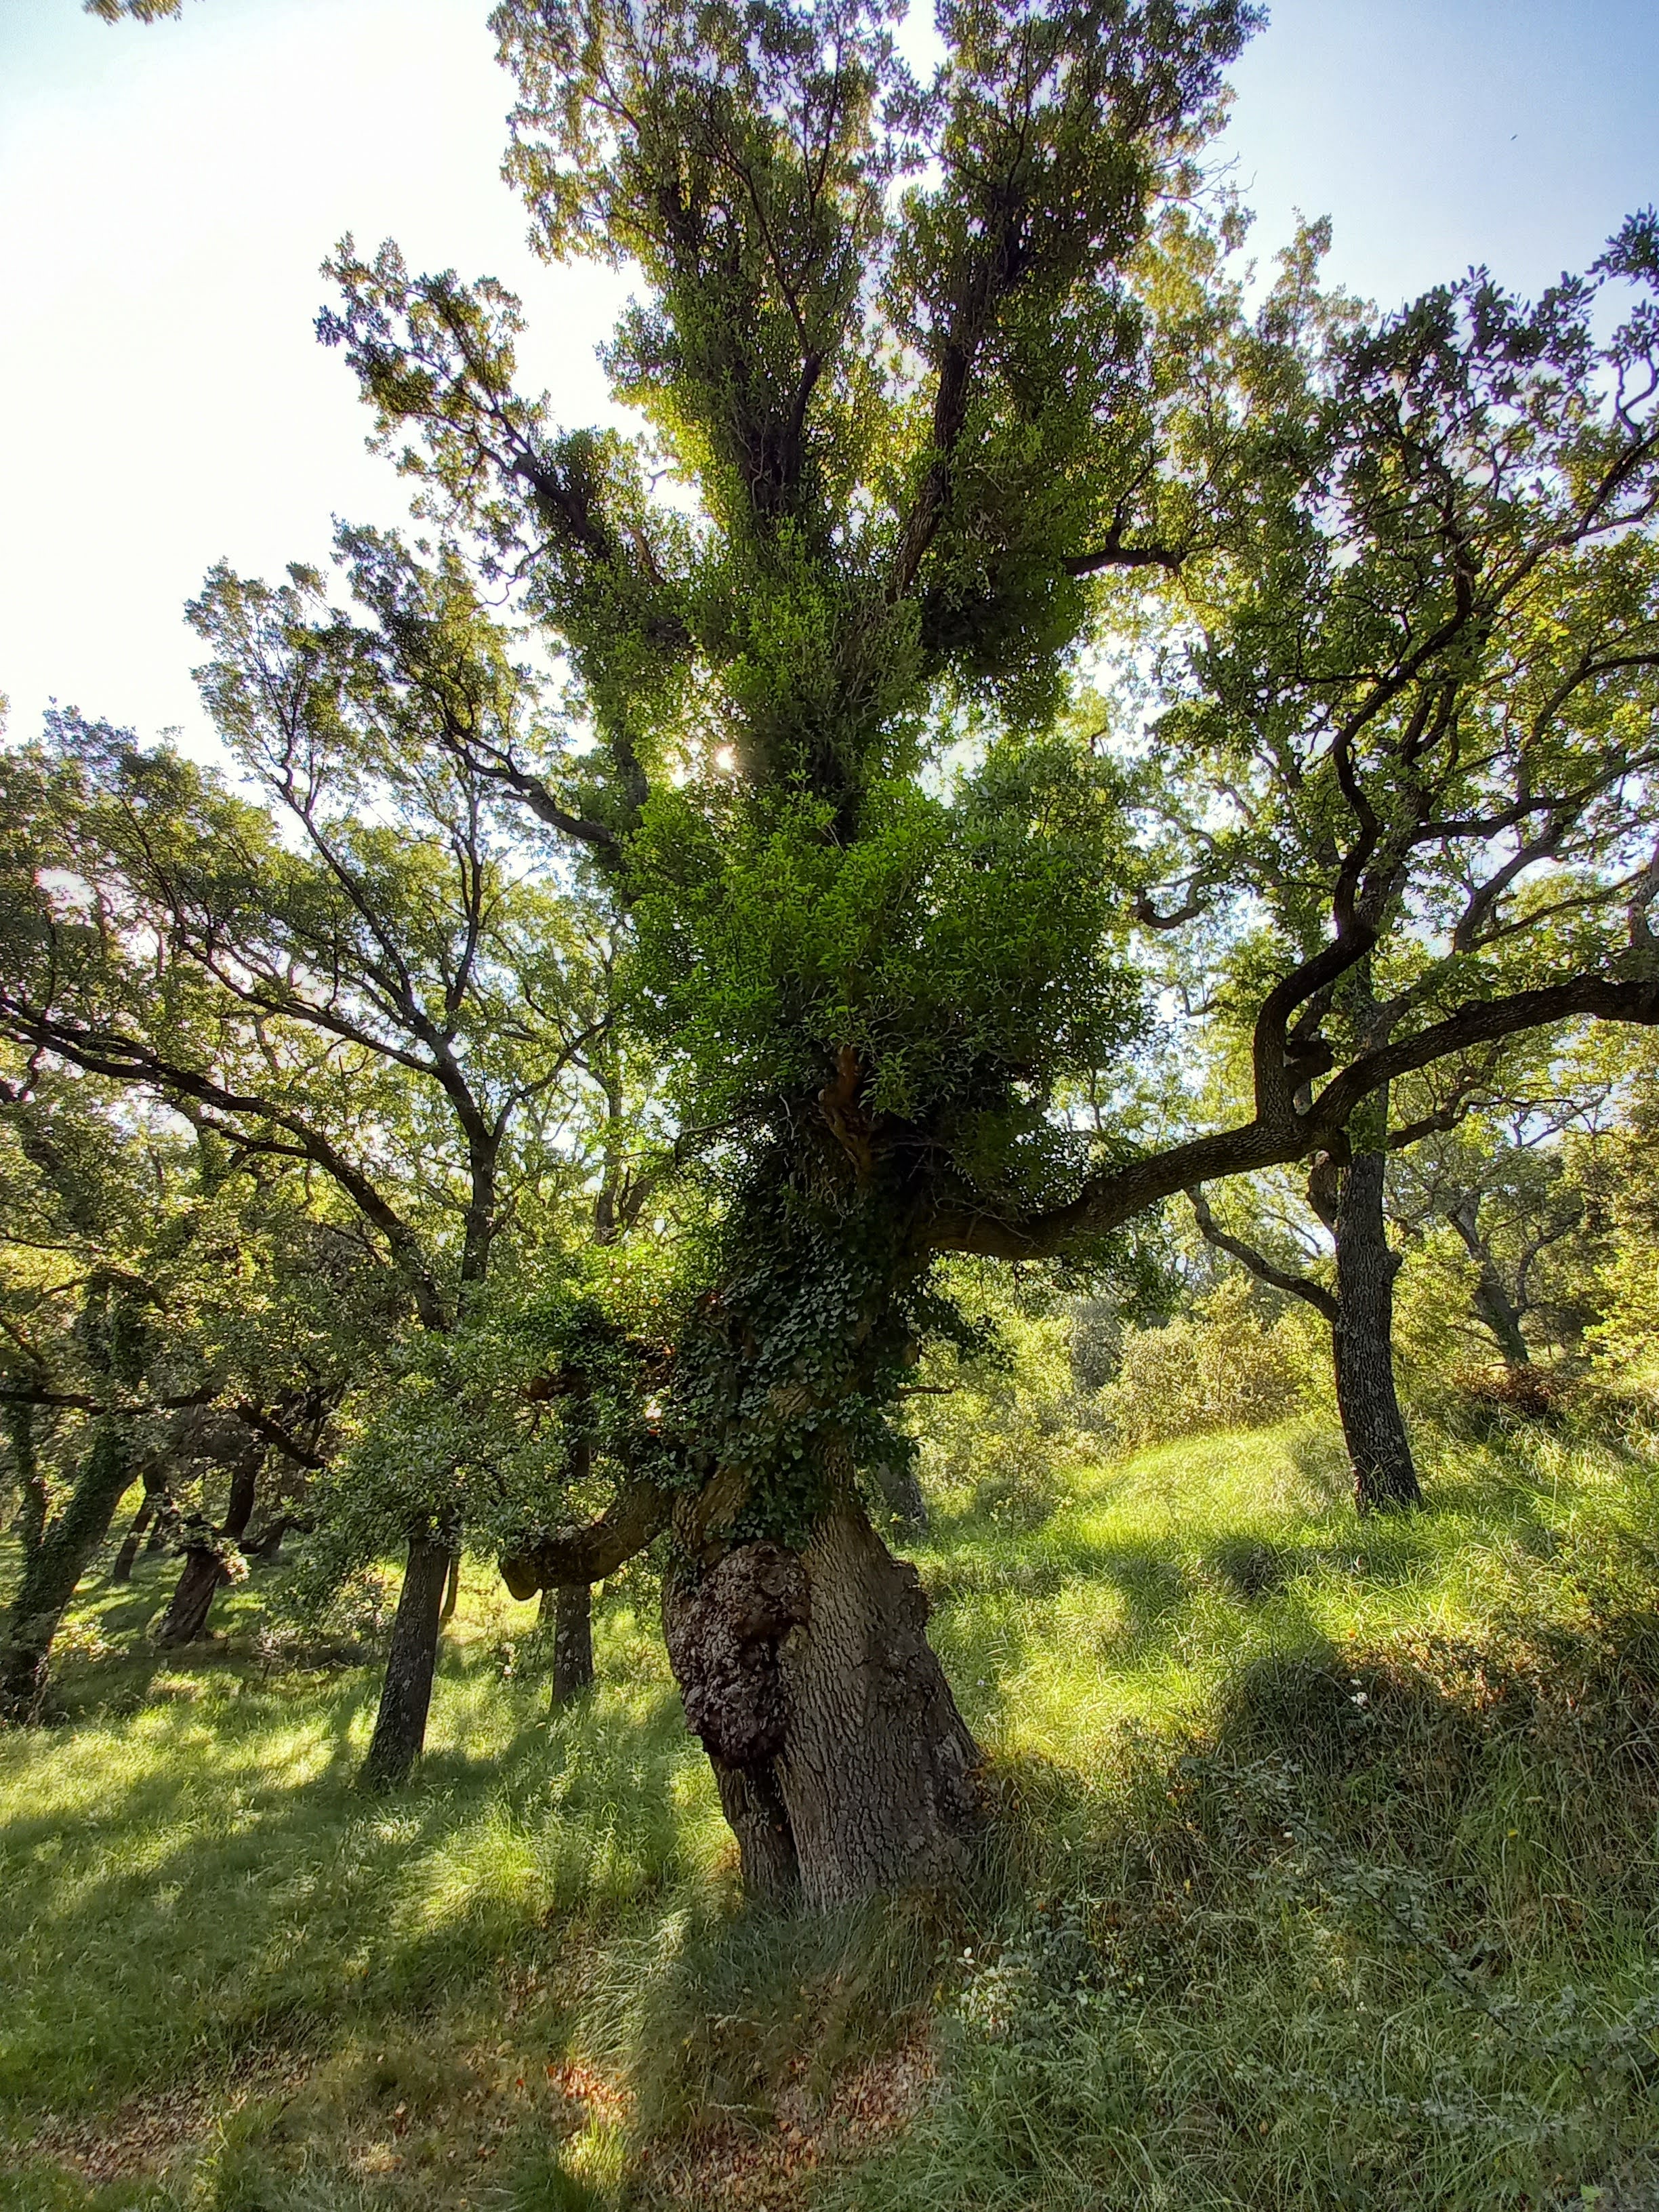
[[1323, 1874]]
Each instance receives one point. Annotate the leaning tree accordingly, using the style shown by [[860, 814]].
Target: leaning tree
[[944, 384]]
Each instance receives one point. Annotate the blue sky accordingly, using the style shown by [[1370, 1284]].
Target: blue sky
[[167, 193]]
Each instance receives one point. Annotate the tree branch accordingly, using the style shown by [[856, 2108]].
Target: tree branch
[[589, 1554], [1280, 1279]]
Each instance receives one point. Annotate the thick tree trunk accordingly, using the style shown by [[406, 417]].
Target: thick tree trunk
[[406, 1692], [55, 1567], [186, 1616], [572, 1640], [876, 1768], [841, 1758], [1385, 1476]]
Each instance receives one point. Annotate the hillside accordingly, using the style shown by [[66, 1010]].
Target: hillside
[[1323, 1874]]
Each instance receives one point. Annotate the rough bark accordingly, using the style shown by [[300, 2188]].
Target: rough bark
[[406, 1692], [842, 1759], [724, 1633], [877, 1769], [55, 1567], [572, 1639], [1385, 1475], [751, 1799]]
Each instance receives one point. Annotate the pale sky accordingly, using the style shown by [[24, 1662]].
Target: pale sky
[[167, 191]]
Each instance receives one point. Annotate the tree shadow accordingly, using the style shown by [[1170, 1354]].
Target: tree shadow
[[233, 1886]]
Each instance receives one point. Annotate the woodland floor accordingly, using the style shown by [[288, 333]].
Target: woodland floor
[[1323, 1874]]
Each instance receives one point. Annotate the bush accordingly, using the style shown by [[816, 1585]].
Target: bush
[[1008, 1424], [1222, 1367]]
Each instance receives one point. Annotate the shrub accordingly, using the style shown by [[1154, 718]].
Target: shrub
[[1222, 1367]]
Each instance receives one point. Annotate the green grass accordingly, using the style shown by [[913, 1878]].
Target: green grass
[[1323, 1874]]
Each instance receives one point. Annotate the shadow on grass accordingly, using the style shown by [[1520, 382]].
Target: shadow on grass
[[213, 1879]]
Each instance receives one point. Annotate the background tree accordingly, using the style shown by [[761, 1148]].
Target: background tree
[[111, 1239], [360, 981]]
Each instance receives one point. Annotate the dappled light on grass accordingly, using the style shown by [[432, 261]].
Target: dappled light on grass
[[1162, 1573], [1321, 1874]]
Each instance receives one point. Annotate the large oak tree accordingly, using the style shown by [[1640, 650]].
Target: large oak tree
[[941, 380]]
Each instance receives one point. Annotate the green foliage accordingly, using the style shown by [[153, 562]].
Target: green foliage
[[477, 1429], [1223, 1366], [955, 947]]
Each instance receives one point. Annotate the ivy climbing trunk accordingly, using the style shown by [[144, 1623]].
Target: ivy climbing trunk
[[31, 1520], [1385, 1475], [843, 1765], [54, 1568], [406, 1692]]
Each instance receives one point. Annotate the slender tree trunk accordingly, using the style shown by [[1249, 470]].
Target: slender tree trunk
[[267, 1546], [126, 1558], [65, 1549], [572, 1639], [842, 1759], [1385, 1476], [1492, 1302], [166, 1523], [245, 1471], [406, 1692], [186, 1617], [451, 1590], [122, 1570]]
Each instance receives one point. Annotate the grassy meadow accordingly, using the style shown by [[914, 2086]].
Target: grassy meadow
[[1322, 1875]]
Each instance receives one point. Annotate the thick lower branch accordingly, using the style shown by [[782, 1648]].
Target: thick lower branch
[[588, 1555], [1107, 1201]]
